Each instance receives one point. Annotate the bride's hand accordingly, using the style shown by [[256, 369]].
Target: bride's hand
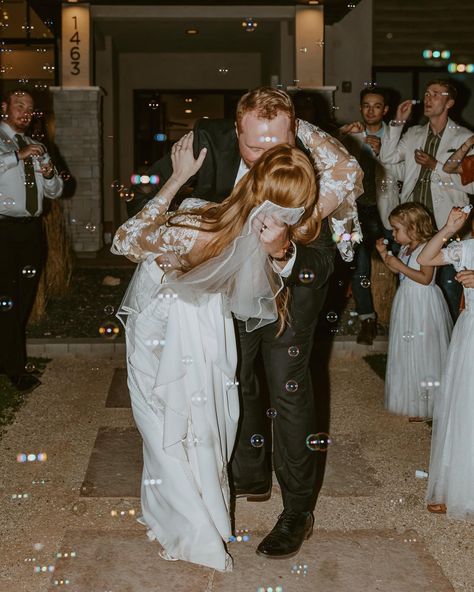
[[182, 157]]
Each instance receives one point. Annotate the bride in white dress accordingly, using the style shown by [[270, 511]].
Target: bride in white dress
[[198, 266]]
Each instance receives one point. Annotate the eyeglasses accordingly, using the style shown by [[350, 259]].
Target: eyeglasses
[[436, 93]]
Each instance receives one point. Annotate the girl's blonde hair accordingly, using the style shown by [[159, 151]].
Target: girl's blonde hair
[[283, 175], [416, 219]]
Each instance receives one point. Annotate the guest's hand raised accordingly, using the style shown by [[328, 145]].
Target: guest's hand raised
[[182, 158], [456, 219], [381, 247], [356, 127], [404, 111]]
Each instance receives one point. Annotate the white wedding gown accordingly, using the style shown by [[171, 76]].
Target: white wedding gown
[[420, 330], [451, 475], [181, 361]]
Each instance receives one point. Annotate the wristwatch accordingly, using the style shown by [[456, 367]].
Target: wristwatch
[[290, 251]]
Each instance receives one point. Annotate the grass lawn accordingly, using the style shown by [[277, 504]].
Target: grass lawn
[[87, 306]]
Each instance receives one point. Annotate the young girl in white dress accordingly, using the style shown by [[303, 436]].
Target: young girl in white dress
[[451, 474], [420, 323], [199, 266]]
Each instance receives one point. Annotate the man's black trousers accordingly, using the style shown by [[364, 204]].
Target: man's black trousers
[[293, 462], [22, 257]]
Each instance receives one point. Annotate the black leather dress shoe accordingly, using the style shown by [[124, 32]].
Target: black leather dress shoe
[[260, 493], [287, 536], [25, 383]]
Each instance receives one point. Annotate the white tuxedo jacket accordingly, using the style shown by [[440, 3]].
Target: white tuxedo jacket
[[386, 175], [447, 190]]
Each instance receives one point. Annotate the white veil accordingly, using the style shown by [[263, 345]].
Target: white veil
[[242, 273]]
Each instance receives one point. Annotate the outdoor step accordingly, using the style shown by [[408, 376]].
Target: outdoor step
[[97, 347], [356, 561]]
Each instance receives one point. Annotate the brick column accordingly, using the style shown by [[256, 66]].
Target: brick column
[[78, 137]]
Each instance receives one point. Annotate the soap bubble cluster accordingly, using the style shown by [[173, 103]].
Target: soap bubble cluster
[[23, 457], [241, 536], [257, 440], [109, 329], [28, 272], [293, 351], [6, 303], [152, 482], [300, 569], [291, 386], [306, 276], [319, 442]]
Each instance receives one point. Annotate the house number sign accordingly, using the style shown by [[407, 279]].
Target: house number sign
[[75, 46]]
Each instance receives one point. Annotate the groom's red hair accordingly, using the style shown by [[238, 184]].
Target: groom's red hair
[[267, 103]]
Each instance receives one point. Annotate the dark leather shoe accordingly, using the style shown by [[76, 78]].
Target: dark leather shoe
[[260, 493], [287, 536], [368, 331], [25, 383]]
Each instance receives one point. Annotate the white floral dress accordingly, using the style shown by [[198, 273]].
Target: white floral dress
[[451, 475], [420, 330], [181, 360]]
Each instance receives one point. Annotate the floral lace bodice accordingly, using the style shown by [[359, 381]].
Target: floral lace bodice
[[147, 233]]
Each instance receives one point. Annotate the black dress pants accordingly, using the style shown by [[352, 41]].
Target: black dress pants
[[21, 262], [290, 395]]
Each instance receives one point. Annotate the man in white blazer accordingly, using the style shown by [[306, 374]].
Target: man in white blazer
[[424, 149]]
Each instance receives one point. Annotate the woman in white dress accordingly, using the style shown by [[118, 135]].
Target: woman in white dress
[[451, 474], [199, 265], [420, 323]]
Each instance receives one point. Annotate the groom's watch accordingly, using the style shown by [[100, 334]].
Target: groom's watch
[[289, 252]]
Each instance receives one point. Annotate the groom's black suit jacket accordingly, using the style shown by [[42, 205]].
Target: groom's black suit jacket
[[215, 181]]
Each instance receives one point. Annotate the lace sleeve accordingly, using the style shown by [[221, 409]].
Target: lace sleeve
[[340, 184], [173, 243], [139, 236], [147, 233], [453, 254]]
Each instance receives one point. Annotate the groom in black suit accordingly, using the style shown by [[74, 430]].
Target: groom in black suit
[[265, 117]]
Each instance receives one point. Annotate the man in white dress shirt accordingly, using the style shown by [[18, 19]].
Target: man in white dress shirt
[[27, 175], [424, 149]]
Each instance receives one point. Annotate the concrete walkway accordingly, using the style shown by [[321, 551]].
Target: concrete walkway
[[68, 522]]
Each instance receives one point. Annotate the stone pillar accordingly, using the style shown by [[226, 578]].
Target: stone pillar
[[78, 137]]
